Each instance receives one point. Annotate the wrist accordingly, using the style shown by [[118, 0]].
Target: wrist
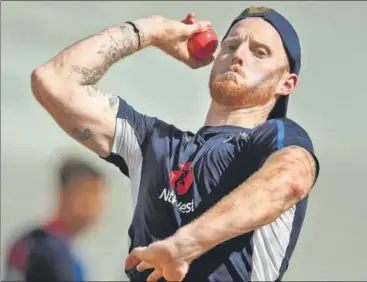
[[147, 33], [185, 245]]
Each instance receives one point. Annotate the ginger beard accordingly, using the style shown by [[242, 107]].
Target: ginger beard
[[232, 89]]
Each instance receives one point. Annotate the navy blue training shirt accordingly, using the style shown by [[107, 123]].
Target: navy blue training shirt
[[177, 175], [42, 255]]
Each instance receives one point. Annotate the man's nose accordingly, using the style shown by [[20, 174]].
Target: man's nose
[[239, 55], [237, 60]]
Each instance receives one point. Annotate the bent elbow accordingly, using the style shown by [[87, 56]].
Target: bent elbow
[[37, 82], [296, 189], [43, 87], [44, 83]]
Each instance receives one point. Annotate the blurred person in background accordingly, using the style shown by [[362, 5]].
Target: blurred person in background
[[44, 253], [226, 203]]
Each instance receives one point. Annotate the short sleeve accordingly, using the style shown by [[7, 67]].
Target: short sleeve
[[49, 261], [277, 134], [132, 129]]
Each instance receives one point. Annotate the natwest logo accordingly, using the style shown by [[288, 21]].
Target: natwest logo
[[181, 179]]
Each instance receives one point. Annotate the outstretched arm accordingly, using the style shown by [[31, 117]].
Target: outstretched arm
[[66, 85], [285, 178]]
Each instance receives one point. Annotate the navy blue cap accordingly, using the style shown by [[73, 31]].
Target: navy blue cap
[[290, 42]]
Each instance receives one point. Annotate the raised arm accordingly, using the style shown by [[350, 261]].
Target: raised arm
[[66, 85]]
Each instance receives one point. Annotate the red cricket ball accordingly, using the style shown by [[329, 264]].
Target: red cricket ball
[[203, 45]]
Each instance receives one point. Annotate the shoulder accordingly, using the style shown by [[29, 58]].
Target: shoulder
[[281, 133], [17, 253], [276, 135], [278, 128], [49, 259], [32, 241], [41, 243], [143, 125], [49, 256], [164, 133], [19, 244]]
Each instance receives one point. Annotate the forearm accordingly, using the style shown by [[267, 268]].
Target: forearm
[[259, 201], [87, 61], [250, 206]]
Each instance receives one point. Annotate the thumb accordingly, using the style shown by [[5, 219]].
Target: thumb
[[139, 252], [190, 18], [198, 27]]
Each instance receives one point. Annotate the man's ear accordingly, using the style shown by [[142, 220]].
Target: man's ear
[[287, 84]]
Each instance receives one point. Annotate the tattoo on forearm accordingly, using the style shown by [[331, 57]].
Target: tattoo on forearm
[[129, 40], [142, 39], [116, 49], [113, 50], [89, 76], [81, 135], [140, 36]]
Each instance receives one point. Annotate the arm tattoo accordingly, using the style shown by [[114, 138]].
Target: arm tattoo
[[141, 36], [81, 135], [112, 51], [113, 101], [94, 91], [89, 76], [116, 49]]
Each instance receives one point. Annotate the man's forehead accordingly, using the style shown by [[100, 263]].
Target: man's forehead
[[256, 27]]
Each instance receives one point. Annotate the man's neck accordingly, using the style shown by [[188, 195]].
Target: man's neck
[[57, 226], [63, 223], [243, 117]]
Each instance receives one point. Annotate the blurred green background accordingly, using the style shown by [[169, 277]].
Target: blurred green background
[[329, 103]]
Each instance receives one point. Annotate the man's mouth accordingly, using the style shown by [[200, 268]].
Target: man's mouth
[[236, 69], [234, 76]]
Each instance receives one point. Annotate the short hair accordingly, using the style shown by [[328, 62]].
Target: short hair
[[73, 168]]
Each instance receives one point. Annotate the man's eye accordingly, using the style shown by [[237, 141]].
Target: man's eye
[[260, 52], [232, 48]]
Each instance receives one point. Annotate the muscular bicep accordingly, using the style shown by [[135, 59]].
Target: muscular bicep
[[295, 166], [284, 148], [85, 112]]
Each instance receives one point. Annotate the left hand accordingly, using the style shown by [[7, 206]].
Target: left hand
[[162, 256]]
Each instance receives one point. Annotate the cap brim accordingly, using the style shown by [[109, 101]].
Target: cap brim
[[280, 108]]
